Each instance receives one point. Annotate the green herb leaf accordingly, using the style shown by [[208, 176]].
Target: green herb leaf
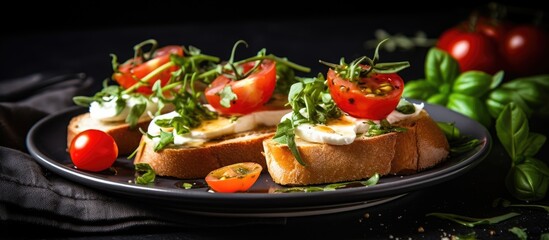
[[470, 221], [529, 180], [470, 106], [144, 173], [285, 135], [383, 127], [227, 96], [519, 232], [534, 143], [373, 180], [473, 83], [166, 138], [440, 67], [544, 236], [512, 130], [136, 111], [405, 107], [419, 89]]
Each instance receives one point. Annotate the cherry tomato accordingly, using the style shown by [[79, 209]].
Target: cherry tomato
[[251, 92], [493, 28], [475, 51], [525, 50], [131, 71], [93, 150], [371, 97], [237, 177]]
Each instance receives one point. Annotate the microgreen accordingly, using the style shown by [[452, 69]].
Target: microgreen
[[362, 66]]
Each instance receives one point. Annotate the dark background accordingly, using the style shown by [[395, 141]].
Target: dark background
[[78, 36]]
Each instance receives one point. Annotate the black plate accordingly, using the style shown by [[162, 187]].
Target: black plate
[[47, 143]]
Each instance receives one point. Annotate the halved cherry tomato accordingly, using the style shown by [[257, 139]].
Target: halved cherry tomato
[[93, 150], [251, 92], [131, 71], [238, 177], [371, 97]]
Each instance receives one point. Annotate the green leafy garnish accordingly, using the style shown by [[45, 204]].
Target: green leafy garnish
[[373, 180], [354, 70], [519, 232], [227, 96], [382, 128], [472, 222], [528, 178], [144, 173], [458, 143], [311, 103]]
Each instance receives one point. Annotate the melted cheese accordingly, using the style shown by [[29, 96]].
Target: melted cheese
[[222, 126], [106, 111], [344, 130]]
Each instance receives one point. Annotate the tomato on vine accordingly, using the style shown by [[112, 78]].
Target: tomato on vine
[[474, 45], [146, 65], [365, 88], [524, 49]]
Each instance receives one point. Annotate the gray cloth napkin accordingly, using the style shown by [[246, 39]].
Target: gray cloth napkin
[[33, 196]]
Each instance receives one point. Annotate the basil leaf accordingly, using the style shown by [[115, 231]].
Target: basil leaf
[[471, 107], [512, 130], [497, 100], [440, 67], [534, 143], [419, 89], [519, 232], [439, 98], [497, 79], [473, 83], [528, 181]]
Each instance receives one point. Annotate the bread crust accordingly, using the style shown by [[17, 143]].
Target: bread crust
[[422, 146], [325, 163], [196, 162], [126, 138]]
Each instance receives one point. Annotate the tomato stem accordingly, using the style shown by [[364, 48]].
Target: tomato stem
[[144, 81], [277, 60], [138, 50]]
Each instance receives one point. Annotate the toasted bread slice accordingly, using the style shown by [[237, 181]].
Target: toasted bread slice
[[422, 146], [326, 163], [187, 162], [126, 138]]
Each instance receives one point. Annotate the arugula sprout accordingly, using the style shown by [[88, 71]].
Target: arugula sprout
[[311, 103], [144, 173]]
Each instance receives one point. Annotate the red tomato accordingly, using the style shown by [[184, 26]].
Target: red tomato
[[448, 36], [237, 177], [252, 92], [525, 50], [93, 150], [475, 51], [495, 29], [131, 71], [372, 97]]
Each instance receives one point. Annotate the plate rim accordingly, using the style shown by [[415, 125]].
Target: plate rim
[[415, 181]]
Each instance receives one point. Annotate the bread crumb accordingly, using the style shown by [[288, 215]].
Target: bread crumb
[[420, 229]]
